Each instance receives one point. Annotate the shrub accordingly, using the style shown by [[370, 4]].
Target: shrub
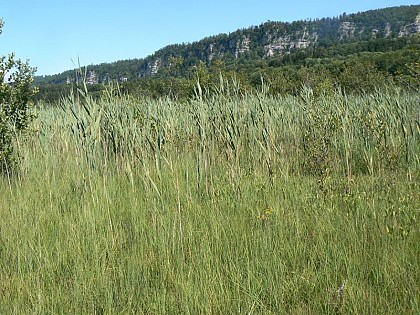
[[15, 92]]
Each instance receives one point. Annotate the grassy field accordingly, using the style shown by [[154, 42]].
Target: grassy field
[[228, 203]]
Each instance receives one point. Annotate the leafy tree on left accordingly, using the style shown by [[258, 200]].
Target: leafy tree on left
[[15, 92]]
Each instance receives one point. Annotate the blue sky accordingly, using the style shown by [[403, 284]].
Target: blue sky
[[53, 34]]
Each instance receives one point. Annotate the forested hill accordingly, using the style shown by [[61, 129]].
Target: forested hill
[[268, 40]]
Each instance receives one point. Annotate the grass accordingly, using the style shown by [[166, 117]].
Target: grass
[[225, 204]]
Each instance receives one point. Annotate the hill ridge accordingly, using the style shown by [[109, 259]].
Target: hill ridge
[[268, 40]]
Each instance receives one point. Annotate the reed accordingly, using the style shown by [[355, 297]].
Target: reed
[[227, 203]]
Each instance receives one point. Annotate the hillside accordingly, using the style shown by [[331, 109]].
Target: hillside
[[263, 42]]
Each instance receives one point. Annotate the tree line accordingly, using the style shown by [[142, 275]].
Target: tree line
[[355, 67]]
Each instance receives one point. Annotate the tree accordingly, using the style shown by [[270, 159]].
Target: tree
[[360, 74], [15, 92]]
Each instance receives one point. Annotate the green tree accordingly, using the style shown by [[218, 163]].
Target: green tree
[[359, 76], [175, 65], [15, 93]]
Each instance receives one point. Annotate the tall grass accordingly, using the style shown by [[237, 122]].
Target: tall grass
[[229, 203]]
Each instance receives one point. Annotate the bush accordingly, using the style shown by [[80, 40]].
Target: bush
[[15, 91]]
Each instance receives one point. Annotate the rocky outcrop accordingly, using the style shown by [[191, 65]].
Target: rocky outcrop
[[388, 31], [242, 46], [211, 52], [411, 29], [286, 43], [151, 67], [347, 30], [92, 78]]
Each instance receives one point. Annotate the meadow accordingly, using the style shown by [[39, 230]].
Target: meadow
[[227, 203]]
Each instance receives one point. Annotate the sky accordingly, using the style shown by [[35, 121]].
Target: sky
[[59, 35]]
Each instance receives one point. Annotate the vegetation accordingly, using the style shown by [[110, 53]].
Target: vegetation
[[228, 203], [286, 185], [15, 93], [286, 54]]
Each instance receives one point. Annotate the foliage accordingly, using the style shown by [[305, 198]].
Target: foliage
[[229, 202], [356, 67], [15, 93], [372, 31], [411, 77]]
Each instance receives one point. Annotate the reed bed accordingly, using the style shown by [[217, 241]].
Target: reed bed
[[227, 203]]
